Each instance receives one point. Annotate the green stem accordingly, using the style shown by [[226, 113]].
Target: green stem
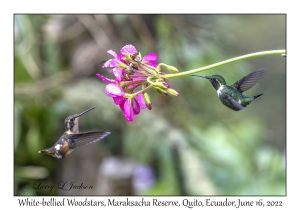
[[161, 64], [270, 52], [141, 91]]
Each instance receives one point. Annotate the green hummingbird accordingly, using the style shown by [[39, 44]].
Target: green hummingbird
[[232, 96]]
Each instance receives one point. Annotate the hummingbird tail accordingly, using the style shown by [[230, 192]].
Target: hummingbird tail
[[257, 96]]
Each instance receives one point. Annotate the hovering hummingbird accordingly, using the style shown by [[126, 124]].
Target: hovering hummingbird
[[231, 96], [72, 138]]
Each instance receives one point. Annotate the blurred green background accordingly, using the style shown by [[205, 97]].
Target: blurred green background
[[186, 145]]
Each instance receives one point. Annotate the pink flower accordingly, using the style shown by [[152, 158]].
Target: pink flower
[[117, 94], [117, 90], [113, 63], [114, 90], [149, 59], [128, 109]]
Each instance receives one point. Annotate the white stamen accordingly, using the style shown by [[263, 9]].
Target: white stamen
[[240, 102]]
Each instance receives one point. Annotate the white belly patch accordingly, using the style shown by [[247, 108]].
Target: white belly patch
[[57, 147], [220, 89]]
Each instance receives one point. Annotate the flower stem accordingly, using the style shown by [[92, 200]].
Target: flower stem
[[127, 83], [270, 52], [141, 91]]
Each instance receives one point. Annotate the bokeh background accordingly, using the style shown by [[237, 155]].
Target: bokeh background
[[186, 145]]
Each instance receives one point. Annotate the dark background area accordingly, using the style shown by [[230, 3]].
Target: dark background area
[[186, 145]]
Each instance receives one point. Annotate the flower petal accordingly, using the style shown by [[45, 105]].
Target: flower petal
[[114, 90], [128, 49], [138, 76], [118, 100], [140, 99], [110, 63], [118, 73], [112, 53], [105, 78], [127, 110], [132, 86], [151, 59], [135, 106]]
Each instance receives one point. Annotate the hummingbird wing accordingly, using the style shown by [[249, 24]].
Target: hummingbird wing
[[249, 80], [234, 102], [80, 139]]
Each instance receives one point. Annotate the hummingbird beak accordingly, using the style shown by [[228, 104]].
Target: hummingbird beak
[[200, 76], [84, 112], [42, 151], [46, 151]]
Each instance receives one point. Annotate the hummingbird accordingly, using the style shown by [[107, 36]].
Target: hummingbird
[[72, 138], [232, 96]]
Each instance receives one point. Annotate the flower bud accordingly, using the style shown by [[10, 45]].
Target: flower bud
[[147, 101], [160, 90], [172, 69], [167, 85], [162, 85], [172, 92]]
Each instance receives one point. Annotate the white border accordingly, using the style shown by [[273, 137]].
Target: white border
[[153, 6]]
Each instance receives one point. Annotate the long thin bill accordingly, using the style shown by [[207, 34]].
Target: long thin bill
[[199, 76], [85, 111]]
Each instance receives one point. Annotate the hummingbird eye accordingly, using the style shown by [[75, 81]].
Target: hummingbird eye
[[70, 123]]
